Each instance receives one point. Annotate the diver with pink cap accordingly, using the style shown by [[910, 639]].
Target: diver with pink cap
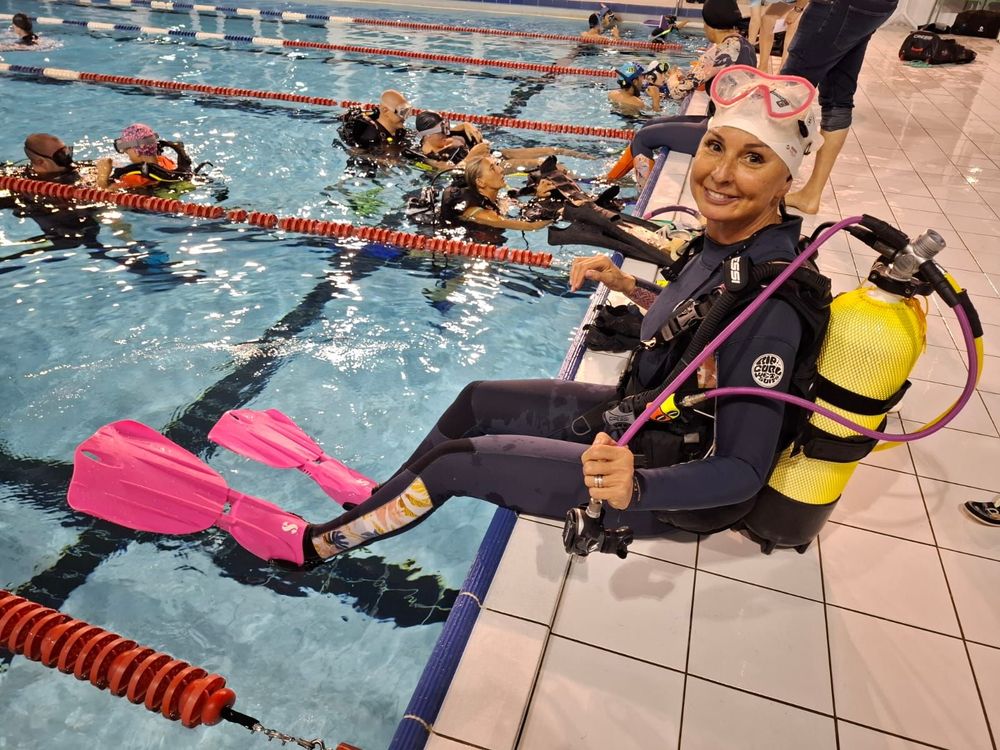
[[147, 165]]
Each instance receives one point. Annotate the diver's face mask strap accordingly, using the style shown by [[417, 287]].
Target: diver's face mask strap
[[63, 157], [783, 96], [122, 145]]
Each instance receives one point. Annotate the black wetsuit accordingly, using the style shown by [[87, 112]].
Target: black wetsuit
[[364, 131], [65, 224], [512, 443], [454, 154]]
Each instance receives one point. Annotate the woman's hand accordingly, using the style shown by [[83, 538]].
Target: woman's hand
[[608, 471], [599, 268]]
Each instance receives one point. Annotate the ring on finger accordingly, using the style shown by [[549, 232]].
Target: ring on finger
[[599, 481]]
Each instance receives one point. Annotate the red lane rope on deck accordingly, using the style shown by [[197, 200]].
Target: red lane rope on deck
[[202, 88], [163, 684], [342, 229]]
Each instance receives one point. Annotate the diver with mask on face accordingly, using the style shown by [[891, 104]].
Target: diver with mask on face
[[147, 167], [444, 145], [63, 223]]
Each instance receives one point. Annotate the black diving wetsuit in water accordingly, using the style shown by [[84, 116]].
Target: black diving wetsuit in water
[[65, 224], [511, 443]]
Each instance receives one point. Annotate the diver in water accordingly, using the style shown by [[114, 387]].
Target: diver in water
[[24, 30], [64, 224], [668, 25], [479, 201], [627, 98], [381, 131], [148, 167], [604, 20], [654, 82], [447, 146]]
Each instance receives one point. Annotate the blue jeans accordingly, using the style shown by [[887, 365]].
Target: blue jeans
[[829, 48]]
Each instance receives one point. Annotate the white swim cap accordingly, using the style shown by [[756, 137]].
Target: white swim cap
[[775, 109]]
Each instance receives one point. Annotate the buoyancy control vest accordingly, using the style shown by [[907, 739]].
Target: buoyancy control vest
[[360, 128], [677, 339], [928, 47]]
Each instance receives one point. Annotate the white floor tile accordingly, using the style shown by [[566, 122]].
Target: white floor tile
[[480, 709], [763, 641], [639, 607], [986, 666], [530, 575], [674, 546], [886, 501], [940, 365], [853, 737], [735, 556], [896, 458], [972, 209], [973, 582], [953, 527], [990, 380], [957, 457], [906, 681], [924, 401], [749, 723], [886, 577], [588, 698], [437, 742]]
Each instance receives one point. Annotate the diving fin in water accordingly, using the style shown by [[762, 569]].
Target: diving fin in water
[[273, 439], [131, 475]]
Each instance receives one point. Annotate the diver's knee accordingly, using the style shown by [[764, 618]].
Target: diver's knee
[[449, 447], [836, 118]]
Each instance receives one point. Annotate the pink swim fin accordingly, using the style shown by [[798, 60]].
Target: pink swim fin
[[131, 475], [273, 439]]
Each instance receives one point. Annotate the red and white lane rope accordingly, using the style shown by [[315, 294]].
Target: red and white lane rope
[[263, 41], [62, 74], [342, 229], [270, 14]]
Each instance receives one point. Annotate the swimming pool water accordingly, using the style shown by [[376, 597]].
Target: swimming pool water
[[172, 321]]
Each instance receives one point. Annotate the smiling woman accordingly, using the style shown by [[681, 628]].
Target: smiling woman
[[542, 446]]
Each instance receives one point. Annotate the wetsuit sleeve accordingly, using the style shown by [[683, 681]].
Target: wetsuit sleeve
[[761, 354]]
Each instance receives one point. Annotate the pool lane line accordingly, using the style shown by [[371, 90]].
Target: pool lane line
[[77, 76], [263, 41], [272, 14], [319, 227]]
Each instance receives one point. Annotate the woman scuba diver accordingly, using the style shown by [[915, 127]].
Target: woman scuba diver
[[446, 146], [522, 445], [542, 447]]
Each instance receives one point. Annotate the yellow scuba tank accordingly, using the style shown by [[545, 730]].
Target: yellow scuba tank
[[876, 334]]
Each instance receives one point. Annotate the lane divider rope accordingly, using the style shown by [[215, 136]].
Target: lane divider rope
[[341, 229], [62, 74], [263, 41], [271, 14]]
